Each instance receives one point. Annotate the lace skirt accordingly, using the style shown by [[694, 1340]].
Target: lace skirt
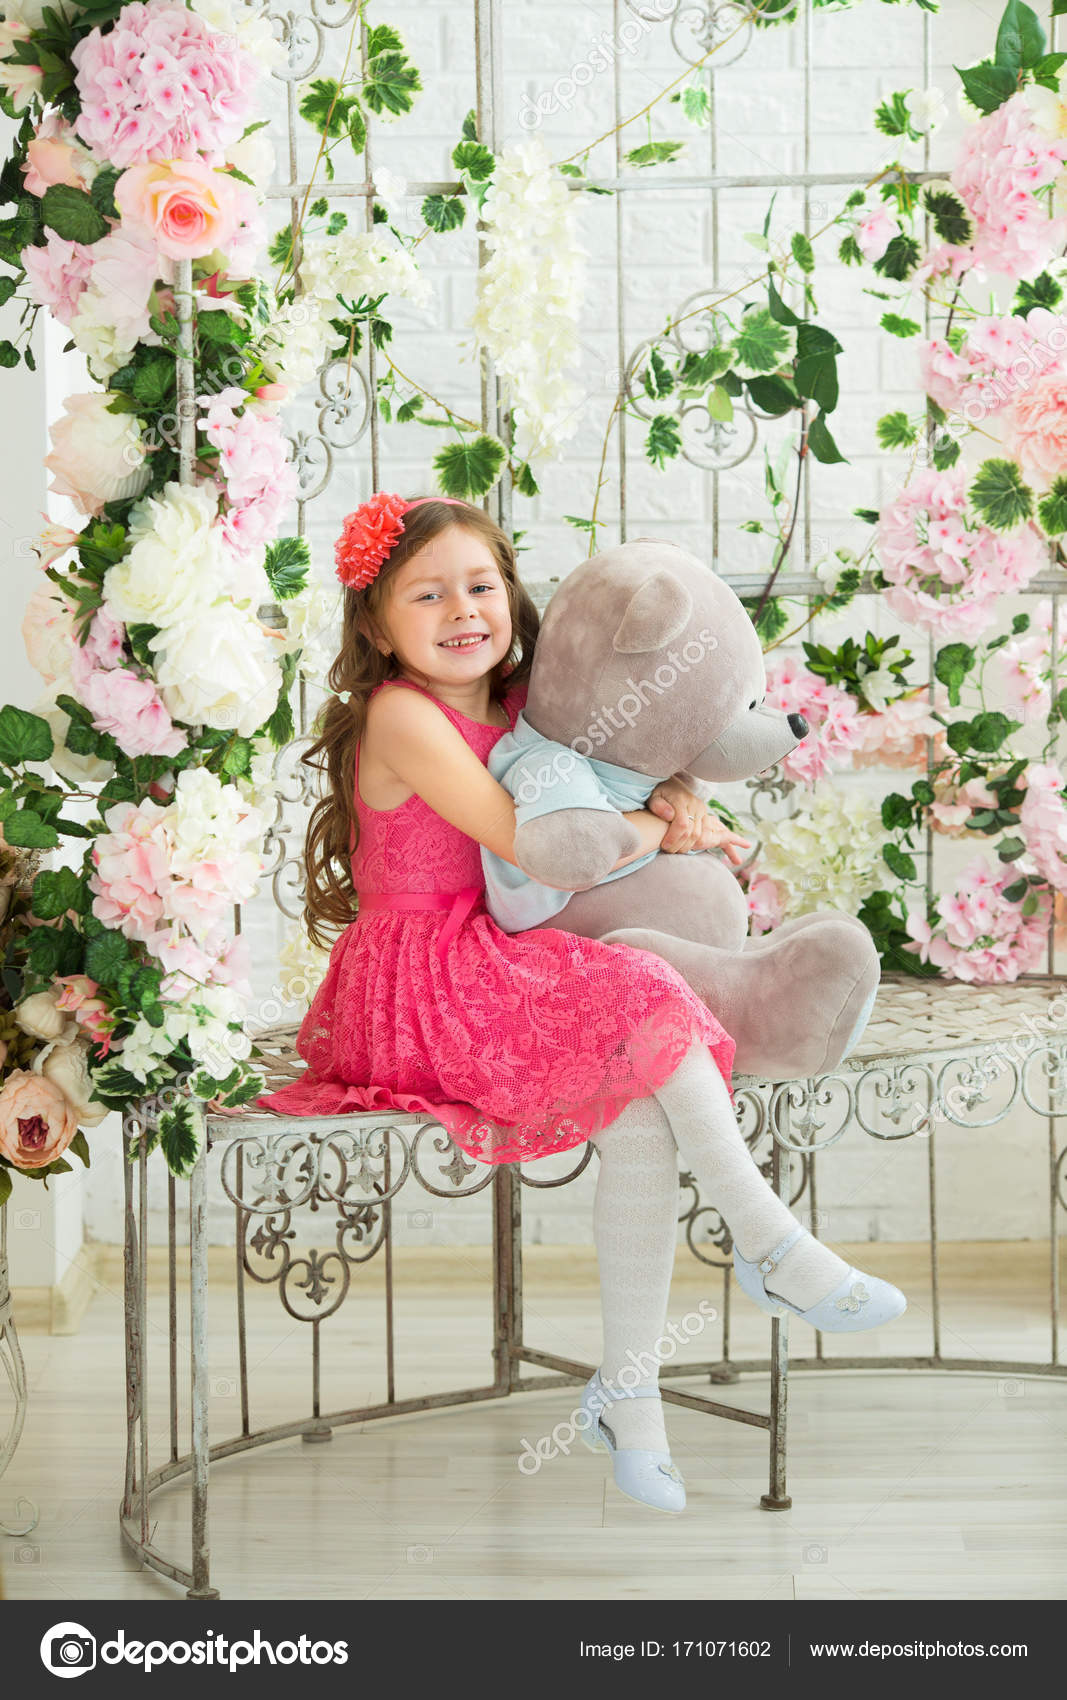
[[519, 1044]]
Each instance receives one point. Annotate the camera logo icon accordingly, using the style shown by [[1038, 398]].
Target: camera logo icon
[[68, 1649]]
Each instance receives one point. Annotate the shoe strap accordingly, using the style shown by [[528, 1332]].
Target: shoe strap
[[766, 1264]]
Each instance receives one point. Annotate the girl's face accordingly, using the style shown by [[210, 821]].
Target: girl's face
[[446, 612]]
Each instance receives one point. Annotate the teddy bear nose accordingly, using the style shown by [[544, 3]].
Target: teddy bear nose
[[797, 725]]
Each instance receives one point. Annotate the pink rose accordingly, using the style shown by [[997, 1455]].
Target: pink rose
[[78, 997], [36, 1122], [54, 157], [187, 208], [1037, 429], [125, 706], [96, 456]]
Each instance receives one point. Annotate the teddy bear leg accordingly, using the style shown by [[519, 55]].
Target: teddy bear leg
[[793, 1007]]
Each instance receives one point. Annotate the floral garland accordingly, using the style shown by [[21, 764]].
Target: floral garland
[[137, 225]]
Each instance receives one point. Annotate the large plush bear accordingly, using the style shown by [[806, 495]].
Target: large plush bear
[[647, 665]]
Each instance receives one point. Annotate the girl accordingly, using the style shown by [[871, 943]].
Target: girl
[[527, 1043]]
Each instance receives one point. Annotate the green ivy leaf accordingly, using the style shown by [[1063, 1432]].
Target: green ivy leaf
[[1020, 38], [895, 431], [1016, 891], [696, 104], [1042, 291], [1010, 849], [898, 862], [525, 483], [815, 374], [390, 83], [181, 1137], [850, 253], [803, 252], [474, 160], [664, 441], [900, 258], [23, 737], [469, 469], [821, 442], [898, 812], [325, 107], [443, 212], [990, 729], [286, 566], [1000, 496], [155, 377], [1052, 509], [55, 890], [952, 666], [653, 153], [897, 326], [952, 221], [357, 128], [26, 830], [71, 214], [104, 956], [987, 86], [772, 395], [762, 343], [383, 38], [891, 116]]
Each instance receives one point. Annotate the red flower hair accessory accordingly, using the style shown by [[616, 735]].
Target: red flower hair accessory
[[369, 534]]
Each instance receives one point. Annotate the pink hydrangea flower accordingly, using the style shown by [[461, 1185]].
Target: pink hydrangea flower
[[253, 466], [57, 273], [897, 736], [875, 231], [996, 365], [764, 905], [1003, 159], [1043, 822], [946, 568], [954, 804], [981, 937], [132, 869], [1023, 667], [161, 84], [832, 715]]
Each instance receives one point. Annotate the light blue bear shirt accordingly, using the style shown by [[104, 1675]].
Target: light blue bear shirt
[[543, 776]]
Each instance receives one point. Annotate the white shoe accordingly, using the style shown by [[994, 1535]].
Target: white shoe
[[647, 1476], [858, 1302]]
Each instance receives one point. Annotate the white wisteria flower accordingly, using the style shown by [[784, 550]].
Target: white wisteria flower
[[303, 964], [530, 293], [313, 625], [391, 191], [361, 262], [295, 342], [827, 855]]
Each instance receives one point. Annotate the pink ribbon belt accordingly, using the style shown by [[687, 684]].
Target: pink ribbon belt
[[457, 903]]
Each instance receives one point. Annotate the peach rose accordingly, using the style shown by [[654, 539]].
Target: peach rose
[[186, 207], [54, 156], [36, 1121], [1037, 429]]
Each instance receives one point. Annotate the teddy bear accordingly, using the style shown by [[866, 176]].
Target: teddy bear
[[648, 666]]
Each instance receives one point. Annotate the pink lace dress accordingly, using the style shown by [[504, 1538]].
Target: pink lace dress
[[520, 1044]]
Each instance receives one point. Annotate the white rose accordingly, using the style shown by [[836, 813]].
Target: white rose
[[218, 669], [96, 456], [48, 632], [179, 561], [38, 1016], [68, 1068]]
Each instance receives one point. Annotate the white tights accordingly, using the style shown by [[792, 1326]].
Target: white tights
[[635, 1218]]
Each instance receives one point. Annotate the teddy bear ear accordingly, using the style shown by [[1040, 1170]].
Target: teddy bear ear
[[655, 614]]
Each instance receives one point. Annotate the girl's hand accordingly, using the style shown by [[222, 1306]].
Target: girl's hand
[[693, 826]]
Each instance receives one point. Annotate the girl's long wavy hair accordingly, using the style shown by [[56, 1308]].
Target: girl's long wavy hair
[[333, 830]]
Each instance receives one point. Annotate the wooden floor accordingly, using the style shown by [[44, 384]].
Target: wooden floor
[[904, 1484]]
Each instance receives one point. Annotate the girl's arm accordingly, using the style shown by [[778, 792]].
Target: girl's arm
[[418, 743], [652, 831]]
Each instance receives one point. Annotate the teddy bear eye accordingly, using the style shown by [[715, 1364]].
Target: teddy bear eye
[[752, 704]]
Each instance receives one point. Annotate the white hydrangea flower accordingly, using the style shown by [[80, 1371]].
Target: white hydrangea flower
[[313, 625], [303, 965], [294, 345], [249, 22], [391, 191], [530, 294], [926, 109], [829, 854]]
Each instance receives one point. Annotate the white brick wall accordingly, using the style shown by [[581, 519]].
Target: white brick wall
[[992, 1182]]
